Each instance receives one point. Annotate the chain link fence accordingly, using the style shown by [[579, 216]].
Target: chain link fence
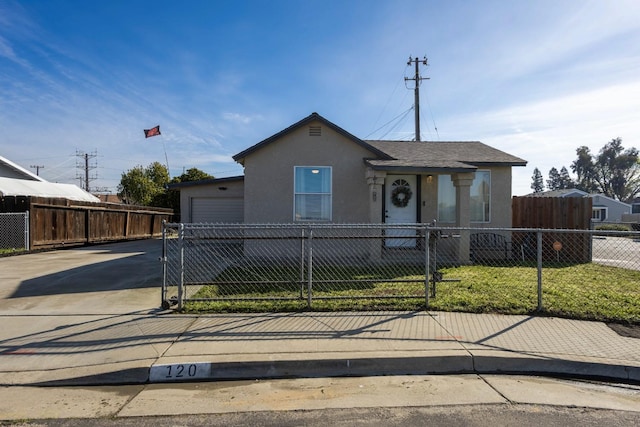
[[383, 265], [14, 231]]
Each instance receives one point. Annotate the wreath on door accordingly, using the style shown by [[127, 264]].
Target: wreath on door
[[401, 193]]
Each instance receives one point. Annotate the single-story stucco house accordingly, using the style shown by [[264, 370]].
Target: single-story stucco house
[[315, 171]]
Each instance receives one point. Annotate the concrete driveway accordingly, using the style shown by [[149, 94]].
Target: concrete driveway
[[114, 278]]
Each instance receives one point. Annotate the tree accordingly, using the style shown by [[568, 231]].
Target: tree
[[149, 186], [553, 183], [172, 197], [537, 185], [565, 179], [615, 172], [559, 180], [142, 186]]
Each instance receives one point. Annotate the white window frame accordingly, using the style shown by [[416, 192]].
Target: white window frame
[[597, 211], [329, 217]]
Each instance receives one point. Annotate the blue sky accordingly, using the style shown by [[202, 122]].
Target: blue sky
[[536, 79]]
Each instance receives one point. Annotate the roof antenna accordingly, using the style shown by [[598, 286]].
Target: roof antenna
[[416, 91]]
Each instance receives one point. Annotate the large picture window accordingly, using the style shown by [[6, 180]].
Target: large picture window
[[479, 204], [312, 193]]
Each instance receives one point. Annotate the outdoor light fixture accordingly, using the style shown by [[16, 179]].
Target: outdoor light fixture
[[315, 171]]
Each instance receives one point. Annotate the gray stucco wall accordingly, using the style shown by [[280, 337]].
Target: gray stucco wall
[[269, 176]]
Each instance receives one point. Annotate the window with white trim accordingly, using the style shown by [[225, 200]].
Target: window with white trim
[[312, 193]]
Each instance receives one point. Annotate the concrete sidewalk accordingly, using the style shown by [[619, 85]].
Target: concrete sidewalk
[[86, 316], [143, 347]]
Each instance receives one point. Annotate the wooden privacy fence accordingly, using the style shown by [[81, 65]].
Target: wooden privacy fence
[[56, 222], [566, 213]]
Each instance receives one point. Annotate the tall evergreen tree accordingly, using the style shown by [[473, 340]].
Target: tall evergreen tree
[[553, 183], [537, 184], [565, 179]]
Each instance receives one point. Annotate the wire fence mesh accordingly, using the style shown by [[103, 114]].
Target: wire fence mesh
[[393, 266], [14, 231]]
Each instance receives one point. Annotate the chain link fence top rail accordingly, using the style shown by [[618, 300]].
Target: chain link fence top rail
[[14, 231], [310, 263]]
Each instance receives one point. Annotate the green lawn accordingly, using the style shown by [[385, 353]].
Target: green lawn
[[581, 291]]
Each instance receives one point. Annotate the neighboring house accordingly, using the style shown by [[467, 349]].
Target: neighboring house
[[315, 171], [605, 209], [17, 181], [8, 169]]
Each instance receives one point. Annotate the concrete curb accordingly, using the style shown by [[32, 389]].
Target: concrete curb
[[450, 364]]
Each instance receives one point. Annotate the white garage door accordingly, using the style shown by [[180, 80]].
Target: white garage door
[[208, 209]]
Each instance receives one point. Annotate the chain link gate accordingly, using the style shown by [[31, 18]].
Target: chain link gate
[[293, 262]]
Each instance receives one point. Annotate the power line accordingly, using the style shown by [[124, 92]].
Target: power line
[[403, 114]]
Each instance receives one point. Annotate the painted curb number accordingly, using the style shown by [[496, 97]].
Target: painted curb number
[[179, 372]]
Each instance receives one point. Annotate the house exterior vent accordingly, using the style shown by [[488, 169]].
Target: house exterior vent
[[315, 131]]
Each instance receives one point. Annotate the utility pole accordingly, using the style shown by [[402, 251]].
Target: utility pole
[[416, 91], [85, 165], [37, 168]]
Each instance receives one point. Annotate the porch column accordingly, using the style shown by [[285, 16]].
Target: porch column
[[375, 180], [462, 183]]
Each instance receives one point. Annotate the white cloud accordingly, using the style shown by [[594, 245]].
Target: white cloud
[[547, 133], [238, 118]]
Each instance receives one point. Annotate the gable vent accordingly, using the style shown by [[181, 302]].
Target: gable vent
[[315, 131]]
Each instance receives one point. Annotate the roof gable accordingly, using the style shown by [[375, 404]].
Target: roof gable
[[8, 169], [307, 120]]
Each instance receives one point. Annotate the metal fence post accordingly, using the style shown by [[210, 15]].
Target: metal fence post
[[427, 235], [539, 257], [310, 269], [26, 230], [302, 257], [181, 284], [163, 259]]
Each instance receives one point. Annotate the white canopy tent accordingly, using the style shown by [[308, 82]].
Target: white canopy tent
[[23, 187]]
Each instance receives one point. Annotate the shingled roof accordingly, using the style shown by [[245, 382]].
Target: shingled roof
[[409, 156], [454, 156]]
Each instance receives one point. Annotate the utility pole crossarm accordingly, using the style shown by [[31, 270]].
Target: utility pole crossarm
[[417, 79], [37, 168]]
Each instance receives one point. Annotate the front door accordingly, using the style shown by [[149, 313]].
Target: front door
[[400, 208]]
